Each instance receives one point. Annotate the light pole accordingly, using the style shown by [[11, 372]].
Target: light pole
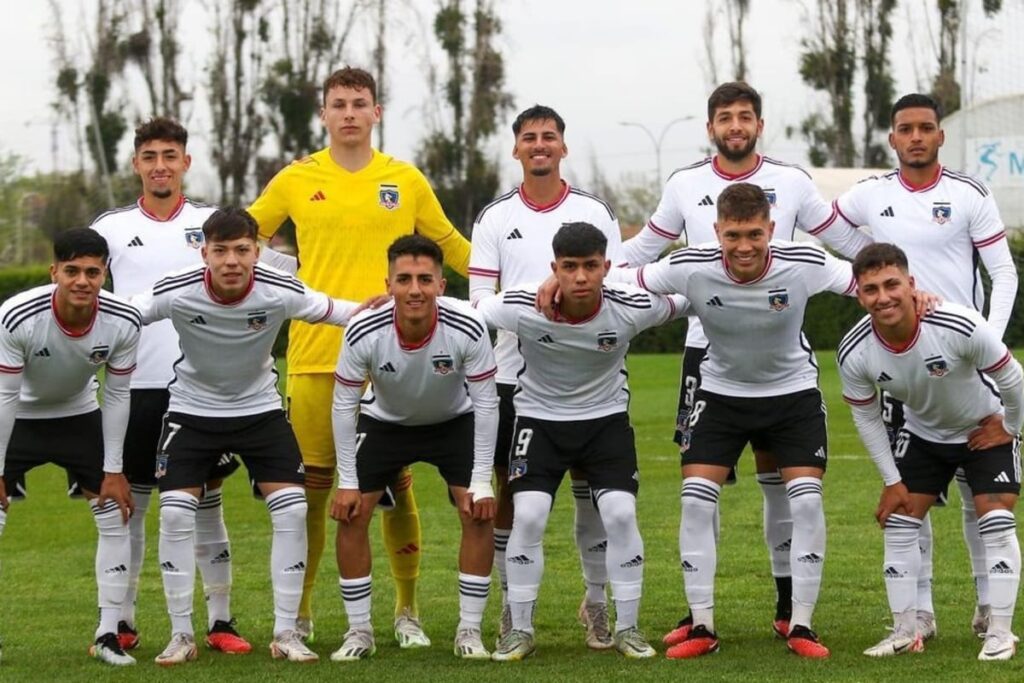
[[657, 141]]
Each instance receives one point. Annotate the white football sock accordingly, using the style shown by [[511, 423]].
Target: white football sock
[[141, 495], [592, 542], [975, 546], [356, 596], [473, 592], [500, 544], [808, 549], [287, 508], [625, 555], [213, 556], [778, 523], [900, 569], [998, 530], [698, 553], [924, 578], [177, 556], [525, 555], [113, 555]]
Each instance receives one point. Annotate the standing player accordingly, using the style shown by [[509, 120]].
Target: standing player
[[53, 341], [687, 211], [512, 246], [224, 399], [348, 203], [158, 234], [944, 221], [432, 398], [573, 415], [939, 367]]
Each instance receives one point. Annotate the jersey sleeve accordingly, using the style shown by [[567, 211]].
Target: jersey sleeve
[[663, 309], [481, 368], [271, 208], [349, 375], [280, 260], [836, 276], [315, 307], [152, 306], [851, 206], [484, 259], [431, 222], [818, 218], [12, 362], [668, 275], [664, 227], [988, 234], [988, 353], [860, 393], [614, 251], [122, 360], [502, 312]]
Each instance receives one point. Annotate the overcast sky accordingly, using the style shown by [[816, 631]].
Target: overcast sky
[[598, 62]]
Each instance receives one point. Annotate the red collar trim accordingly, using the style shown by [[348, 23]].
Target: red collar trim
[[154, 217], [929, 184], [735, 176], [899, 349], [63, 328], [420, 344], [544, 208], [767, 266], [559, 318], [226, 302]]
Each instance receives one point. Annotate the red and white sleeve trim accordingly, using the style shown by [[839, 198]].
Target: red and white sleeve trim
[[10, 369], [661, 231], [120, 371], [486, 272], [859, 401], [482, 376], [828, 221], [347, 382], [998, 365], [330, 310], [989, 241]]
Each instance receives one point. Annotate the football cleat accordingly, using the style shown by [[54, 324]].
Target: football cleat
[[469, 644], [804, 642], [408, 631], [181, 649], [504, 624], [224, 638], [594, 617], [632, 644], [896, 643], [998, 647], [357, 644], [517, 645], [781, 628], [127, 636], [926, 626], [304, 627], [979, 622], [680, 632], [108, 650], [699, 641], [288, 645]]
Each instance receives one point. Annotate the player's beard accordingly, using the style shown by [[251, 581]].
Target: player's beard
[[921, 163], [162, 193], [736, 155], [541, 172]]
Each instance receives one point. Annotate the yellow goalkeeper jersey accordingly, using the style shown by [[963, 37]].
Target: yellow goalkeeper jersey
[[344, 223]]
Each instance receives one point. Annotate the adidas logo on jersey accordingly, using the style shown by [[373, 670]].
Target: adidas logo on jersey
[[637, 561], [387, 367], [811, 558], [688, 568], [136, 242], [893, 573], [784, 546], [1001, 568], [883, 378], [520, 559], [546, 339], [198, 320], [296, 568], [1002, 478], [599, 548], [42, 353], [222, 557], [318, 197], [714, 302], [888, 213], [515, 235], [707, 201], [119, 569]]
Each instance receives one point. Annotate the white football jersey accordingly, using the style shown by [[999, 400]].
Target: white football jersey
[[942, 227], [689, 208], [575, 370], [512, 246], [59, 367], [144, 248], [757, 346], [936, 377], [225, 368]]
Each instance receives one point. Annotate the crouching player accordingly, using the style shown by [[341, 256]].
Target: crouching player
[[432, 398], [934, 364], [224, 399]]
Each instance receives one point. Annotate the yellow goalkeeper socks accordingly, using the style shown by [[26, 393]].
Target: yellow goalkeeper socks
[[319, 488], [402, 539]]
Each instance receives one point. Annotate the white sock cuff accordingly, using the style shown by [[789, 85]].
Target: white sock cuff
[[699, 488], [995, 522], [803, 486], [211, 498], [474, 586], [769, 479], [179, 499], [580, 489], [902, 522], [283, 500], [355, 589]]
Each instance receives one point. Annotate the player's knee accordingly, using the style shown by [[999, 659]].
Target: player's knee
[[618, 512], [531, 513], [177, 522]]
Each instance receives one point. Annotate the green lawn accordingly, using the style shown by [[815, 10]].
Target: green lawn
[[48, 612]]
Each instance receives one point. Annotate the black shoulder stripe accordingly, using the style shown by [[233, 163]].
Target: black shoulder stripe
[[776, 162], [200, 205], [854, 337], [959, 329], [461, 325], [801, 258], [628, 304], [508, 195], [371, 319], [15, 321], [114, 305], [953, 318], [135, 320], [694, 256], [15, 310], [953, 175], [519, 299], [606, 205], [174, 281], [353, 335], [111, 212], [458, 315], [632, 296], [294, 286], [692, 166]]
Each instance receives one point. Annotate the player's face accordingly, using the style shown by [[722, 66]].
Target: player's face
[[161, 165], [539, 148], [735, 129], [349, 115], [745, 245], [887, 294], [79, 280], [415, 282], [230, 263], [580, 279], [916, 137]]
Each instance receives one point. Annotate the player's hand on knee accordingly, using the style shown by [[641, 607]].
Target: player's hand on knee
[[926, 302], [990, 434], [548, 297], [894, 499], [115, 487], [345, 506]]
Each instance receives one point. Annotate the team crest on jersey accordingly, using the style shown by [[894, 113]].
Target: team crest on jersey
[[769, 193], [942, 212], [443, 364], [778, 299], [256, 320], [936, 366], [99, 354], [607, 341], [387, 197], [516, 468], [194, 237]]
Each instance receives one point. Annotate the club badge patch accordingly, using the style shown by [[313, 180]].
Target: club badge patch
[[769, 193], [256, 320], [443, 364], [778, 299], [99, 354], [607, 341], [936, 366], [387, 197], [942, 212], [194, 237]]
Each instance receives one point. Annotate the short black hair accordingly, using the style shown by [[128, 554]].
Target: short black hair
[[743, 202], [538, 112], [577, 240], [415, 245], [728, 93], [77, 242], [160, 128], [914, 101], [879, 255], [230, 223]]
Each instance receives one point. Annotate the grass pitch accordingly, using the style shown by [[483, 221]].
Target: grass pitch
[[48, 611]]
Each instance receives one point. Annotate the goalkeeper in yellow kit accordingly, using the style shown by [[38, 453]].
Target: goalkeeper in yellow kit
[[348, 203]]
